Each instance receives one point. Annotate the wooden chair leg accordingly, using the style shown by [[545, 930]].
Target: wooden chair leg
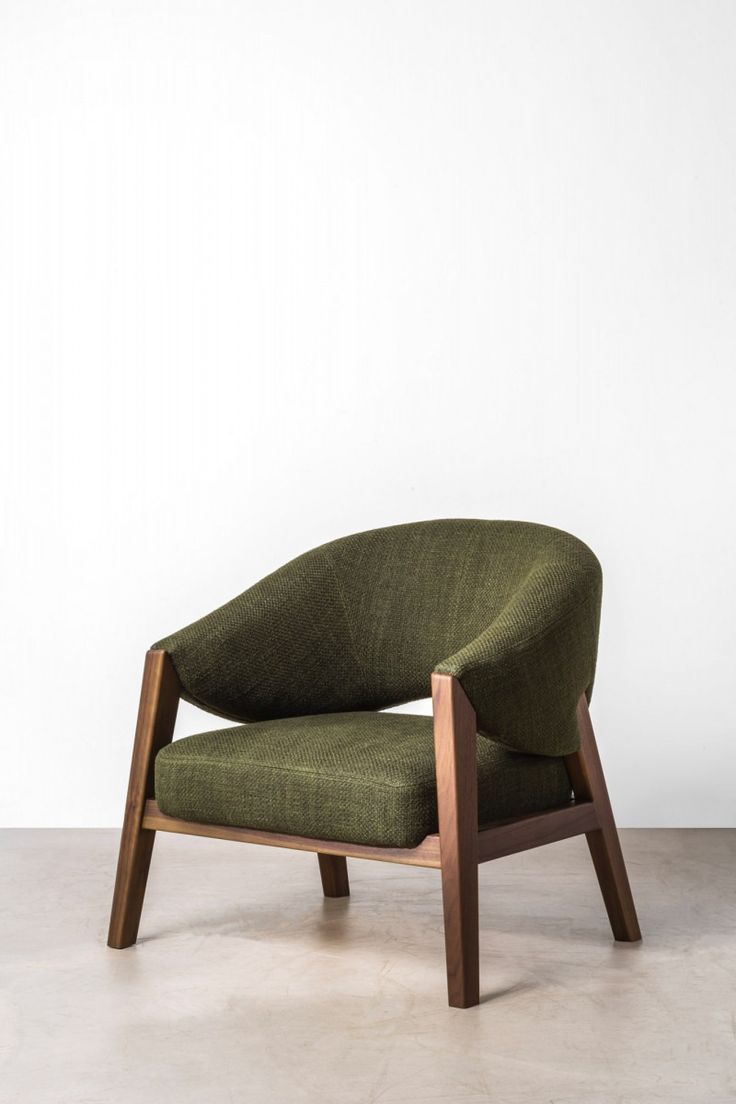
[[589, 783], [156, 718], [334, 873], [457, 805]]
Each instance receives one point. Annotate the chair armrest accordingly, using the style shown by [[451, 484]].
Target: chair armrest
[[525, 673]]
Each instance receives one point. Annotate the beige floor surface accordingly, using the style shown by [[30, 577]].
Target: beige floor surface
[[246, 986]]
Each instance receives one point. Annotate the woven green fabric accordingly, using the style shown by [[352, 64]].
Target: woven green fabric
[[508, 607], [357, 777]]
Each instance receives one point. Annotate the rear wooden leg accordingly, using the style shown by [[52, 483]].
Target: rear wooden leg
[[155, 728], [333, 870], [457, 805], [589, 783]]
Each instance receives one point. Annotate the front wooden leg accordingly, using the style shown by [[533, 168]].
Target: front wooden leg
[[589, 783], [457, 805], [155, 728]]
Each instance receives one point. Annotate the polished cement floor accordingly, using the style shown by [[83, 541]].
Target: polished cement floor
[[247, 986]]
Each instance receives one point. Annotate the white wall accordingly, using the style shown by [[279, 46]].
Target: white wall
[[272, 272]]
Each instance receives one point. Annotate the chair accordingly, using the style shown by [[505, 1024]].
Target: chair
[[498, 619]]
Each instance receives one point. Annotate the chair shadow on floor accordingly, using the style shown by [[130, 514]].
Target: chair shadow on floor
[[336, 924]]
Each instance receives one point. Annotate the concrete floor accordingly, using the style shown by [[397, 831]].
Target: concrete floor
[[247, 986]]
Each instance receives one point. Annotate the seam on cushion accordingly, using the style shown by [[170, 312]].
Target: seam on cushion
[[346, 614], [520, 645], [196, 760]]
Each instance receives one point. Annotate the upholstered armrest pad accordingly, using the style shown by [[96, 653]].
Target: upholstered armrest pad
[[279, 649], [525, 673]]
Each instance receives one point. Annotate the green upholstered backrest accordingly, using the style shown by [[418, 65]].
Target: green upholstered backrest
[[510, 608]]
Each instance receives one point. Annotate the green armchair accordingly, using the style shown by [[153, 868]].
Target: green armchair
[[498, 620]]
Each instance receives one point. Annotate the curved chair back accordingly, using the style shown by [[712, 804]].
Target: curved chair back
[[510, 608]]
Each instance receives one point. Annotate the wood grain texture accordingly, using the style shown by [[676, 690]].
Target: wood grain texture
[[511, 836], [457, 805], [156, 719], [333, 870], [426, 854], [589, 784]]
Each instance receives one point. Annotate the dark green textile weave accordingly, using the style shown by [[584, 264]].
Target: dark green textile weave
[[511, 609], [357, 777]]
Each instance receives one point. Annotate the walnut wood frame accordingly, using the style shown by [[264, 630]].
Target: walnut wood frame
[[456, 850]]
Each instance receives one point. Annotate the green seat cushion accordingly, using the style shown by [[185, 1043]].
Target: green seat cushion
[[358, 777]]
